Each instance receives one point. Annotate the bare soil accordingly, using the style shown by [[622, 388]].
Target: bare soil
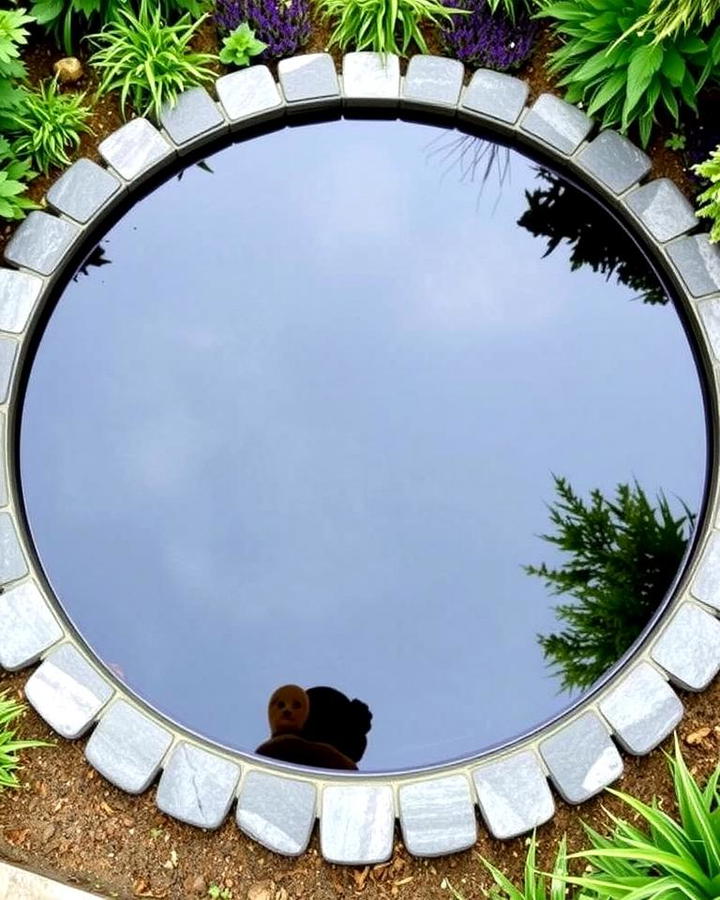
[[69, 823]]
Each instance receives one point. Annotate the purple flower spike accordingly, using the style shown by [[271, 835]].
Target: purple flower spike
[[489, 39], [284, 25]]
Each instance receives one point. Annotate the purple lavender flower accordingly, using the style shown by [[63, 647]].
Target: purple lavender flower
[[489, 39], [284, 25]]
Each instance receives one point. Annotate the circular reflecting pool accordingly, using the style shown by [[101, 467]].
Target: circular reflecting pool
[[371, 406]]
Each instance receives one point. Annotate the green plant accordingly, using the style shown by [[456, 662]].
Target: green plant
[[10, 712], [13, 175], [375, 24], [218, 893], [535, 883], [710, 169], [13, 35], [510, 7], [673, 859], [62, 18], [240, 45], [148, 61], [623, 556], [666, 18], [676, 141], [623, 73], [47, 124]]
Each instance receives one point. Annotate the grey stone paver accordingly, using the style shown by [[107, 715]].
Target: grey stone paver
[[277, 812], [433, 81], [513, 794], [8, 352], [494, 95], [437, 816], [13, 564], [615, 161], [127, 747], [136, 150], [19, 292], [194, 119], [697, 262], [29, 627], [3, 478], [197, 786], [581, 758], [309, 81], [41, 242], [19, 884], [357, 823], [642, 709], [83, 190], [556, 122], [709, 311], [371, 79], [67, 692], [662, 209], [250, 96], [689, 647], [706, 584]]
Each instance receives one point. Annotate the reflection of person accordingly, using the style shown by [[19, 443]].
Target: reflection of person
[[337, 739]]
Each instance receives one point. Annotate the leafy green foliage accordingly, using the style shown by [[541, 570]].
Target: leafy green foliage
[[535, 884], [14, 174], [13, 35], [48, 123], [240, 45], [148, 61], [670, 858], [623, 556], [676, 141], [622, 73], [10, 711], [510, 7], [215, 892], [386, 26], [709, 200], [64, 18], [668, 18], [593, 237]]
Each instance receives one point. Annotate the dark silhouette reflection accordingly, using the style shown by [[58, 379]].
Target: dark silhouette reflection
[[593, 236], [475, 159], [320, 727], [96, 259], [623, 556]]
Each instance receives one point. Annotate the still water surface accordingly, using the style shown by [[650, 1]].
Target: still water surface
[[302, 428]]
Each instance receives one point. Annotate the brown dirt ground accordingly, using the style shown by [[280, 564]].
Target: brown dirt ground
[[69, 823]]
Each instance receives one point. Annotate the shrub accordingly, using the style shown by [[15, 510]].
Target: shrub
[[62, 18], [14, 174], [240, 45], [710, 170], [672, 858], [49, 122], [488, 38], [623, 73], [148, 61], [13, 35], [377, 24], [623, 556], [283, 25], [10, 711]]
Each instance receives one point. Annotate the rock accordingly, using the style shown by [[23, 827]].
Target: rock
[[195, 886], [68, 70], [262, 890]]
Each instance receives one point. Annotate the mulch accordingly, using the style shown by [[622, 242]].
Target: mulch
[[69, 823]]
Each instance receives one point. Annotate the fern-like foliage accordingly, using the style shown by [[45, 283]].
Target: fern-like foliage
[[709, 200], [622, 557], [13, 36], [621, 72], [669, 18]]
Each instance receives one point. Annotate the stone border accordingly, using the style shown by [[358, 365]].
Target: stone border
[[277, 804]]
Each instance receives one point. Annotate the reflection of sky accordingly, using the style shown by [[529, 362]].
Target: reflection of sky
[[302, 430]]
